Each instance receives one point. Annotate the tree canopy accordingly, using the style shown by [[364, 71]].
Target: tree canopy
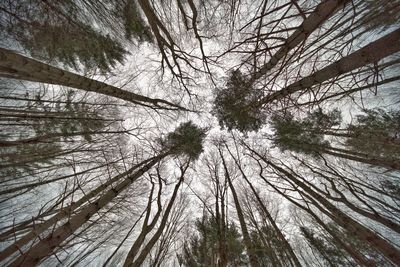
[[261, 133]]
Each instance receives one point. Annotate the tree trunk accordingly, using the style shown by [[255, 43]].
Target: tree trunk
[[357, 256], [374, 215], [352, 226], [360, 259], [33, 185], [146, 250], [285, 243], [223, 261], [45, 138], [393, 164], [13, 65], [146, 228], [371, 53], [322, 12], [246, 237], [44, 248]]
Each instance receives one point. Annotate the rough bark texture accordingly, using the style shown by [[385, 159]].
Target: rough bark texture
[[146, 250], [13, 65], [370, 53], [322, 12], [352, 226], [44, 248], [245, 233]]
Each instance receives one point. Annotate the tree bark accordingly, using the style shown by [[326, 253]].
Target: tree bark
[[352, 226], [360, 259], [286, 244], [146, 250], [42, 249], [322, 12], [357, 256], [146, 228], [246, 237], [393, 164], [371, 53], [13, 65], [45, 138]]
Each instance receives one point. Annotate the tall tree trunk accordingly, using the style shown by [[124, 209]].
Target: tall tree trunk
[[360, 259], [146, 228], [357, 256], [13, 65], [246, 237], [33, 185], [321, 13], [146, 250], [223, 261], [371, 53], [44, 247], [352, 226], [282, 238], [352, 155], [374, 215], [45, 138], [391, 164]]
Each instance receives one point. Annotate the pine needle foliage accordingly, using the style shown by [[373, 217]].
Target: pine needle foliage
[[134, 23], [376, 128], [303, 135], [201, 249], [233, 105], [73, 44], [187, 140]]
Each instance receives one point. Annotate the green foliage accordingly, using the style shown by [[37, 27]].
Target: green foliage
[[61, 32], [187, 139], [376, 132], [27, 159], [319, 121], [382, 122], [234, 105], [262, 252], [134, 23], [268, 247], [332, 255], [73, 43], [303, 135], [202, 248], [81, 118]]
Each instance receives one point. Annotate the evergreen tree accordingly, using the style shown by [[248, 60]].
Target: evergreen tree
[[186, 139], [377, 133], [59, 33], [232, 105], [202, 248], [45, 247], [303, 135], [244, 113], [134, 23], [332, 255]]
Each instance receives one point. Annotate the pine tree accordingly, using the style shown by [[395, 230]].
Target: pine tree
[[44, 247]]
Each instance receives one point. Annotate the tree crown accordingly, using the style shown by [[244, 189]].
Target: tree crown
[[303, 135], [233, 105], [187, 139]]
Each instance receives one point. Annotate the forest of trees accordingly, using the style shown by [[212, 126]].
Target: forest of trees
[[200, 133]]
